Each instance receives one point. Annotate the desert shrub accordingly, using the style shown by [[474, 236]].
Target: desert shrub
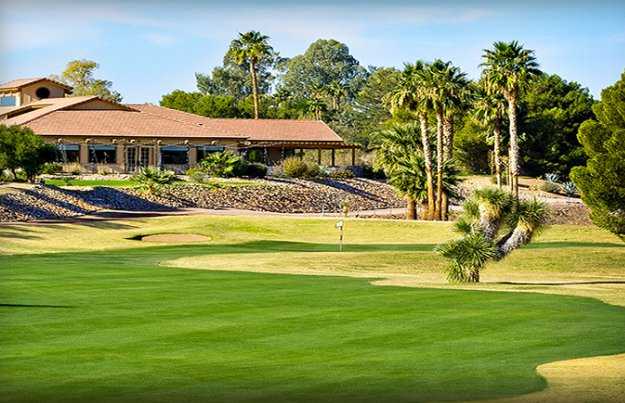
[[570, 189], [294, 167], [552, 177], [196, 175], [314, 170], [550, 187], [255, 170], [223, 164], [342, 174], [152, 179], [51, 168], [371, 172]]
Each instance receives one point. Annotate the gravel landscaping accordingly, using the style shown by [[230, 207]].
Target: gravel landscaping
[[284, 196]]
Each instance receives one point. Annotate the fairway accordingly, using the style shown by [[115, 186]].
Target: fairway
[[122, 324]]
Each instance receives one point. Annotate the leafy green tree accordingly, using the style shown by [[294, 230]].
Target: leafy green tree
[[493, 224], [472, 147], [602, 180], [216, 106], [181, 100], [251, 48], [551, 112], [233, 79], [79, 75], [508, 69], [20, 148], [325, 63]]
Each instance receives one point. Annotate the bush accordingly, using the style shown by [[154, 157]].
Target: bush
[[552, 177], [370, 172], [254, 170], [314, 170], [222, 164], [550, 187], [51, 168], [152, 179], [294, 167], [196, 175], [341, 174], [20, 148]]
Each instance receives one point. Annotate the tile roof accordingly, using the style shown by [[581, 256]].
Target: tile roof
[[117, 123], [43, 107], [22, 82], [253, 129]]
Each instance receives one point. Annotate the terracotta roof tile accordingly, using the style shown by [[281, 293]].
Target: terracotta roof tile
[[116, 123], [22, 82], [253, 129]]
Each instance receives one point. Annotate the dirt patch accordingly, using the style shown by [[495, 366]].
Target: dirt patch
[[175, 238]]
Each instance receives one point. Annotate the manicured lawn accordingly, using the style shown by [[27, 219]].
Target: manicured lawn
[[119, 325], [91, 182]]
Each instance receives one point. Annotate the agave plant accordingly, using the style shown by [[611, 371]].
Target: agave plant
[[493, 224], [570, 189]]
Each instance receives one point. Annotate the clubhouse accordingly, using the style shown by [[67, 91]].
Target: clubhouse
[[97, 135]]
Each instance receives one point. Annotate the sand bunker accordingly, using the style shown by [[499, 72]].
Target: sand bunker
[[175, 238]]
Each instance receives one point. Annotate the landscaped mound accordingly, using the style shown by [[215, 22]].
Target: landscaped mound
[[283, 196]]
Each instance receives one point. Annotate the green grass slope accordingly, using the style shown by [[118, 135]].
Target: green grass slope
[[116, 326]]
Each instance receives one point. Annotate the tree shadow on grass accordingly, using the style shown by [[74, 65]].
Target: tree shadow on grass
[[35, 306], [572, 244], [564, 283]]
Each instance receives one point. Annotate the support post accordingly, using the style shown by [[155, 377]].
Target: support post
[[84, 154], [353, 156], [319, 156], [192, 156], [333, 158]]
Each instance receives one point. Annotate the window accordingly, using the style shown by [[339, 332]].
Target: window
[[102, 154], [203, 151], [42, 93], [8, 100], [68, 153], [174, 155]]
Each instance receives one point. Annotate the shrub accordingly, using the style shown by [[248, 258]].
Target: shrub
[[341, 174], [51, 168], [255, 170], [314, 170], [196, 175], [223, 164], [550, 187], [20, 148], [552, 177], [370, 172], [294, 167], [152, 179]]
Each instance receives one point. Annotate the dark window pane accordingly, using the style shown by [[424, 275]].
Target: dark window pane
[[174, 156]]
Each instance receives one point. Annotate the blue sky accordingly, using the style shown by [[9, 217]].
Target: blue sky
[[148, 48]]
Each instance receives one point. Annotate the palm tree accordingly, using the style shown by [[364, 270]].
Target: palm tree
[[251, 47], [446, 89], [411, 95], [507, 69], [489, 111], [397, 144]]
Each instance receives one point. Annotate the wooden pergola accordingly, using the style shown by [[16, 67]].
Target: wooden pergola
[[310, 145]]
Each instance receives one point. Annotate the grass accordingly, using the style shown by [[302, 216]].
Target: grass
[[90, 315], [115, 183]]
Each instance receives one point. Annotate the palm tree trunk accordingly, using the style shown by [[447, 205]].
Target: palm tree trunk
[[448, 138], [514, 147], [411, 209], [439, 164], [427, 156], [254, 88], [497, 152], [448, 143]]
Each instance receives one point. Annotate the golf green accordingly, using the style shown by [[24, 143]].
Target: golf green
[[117, 326]]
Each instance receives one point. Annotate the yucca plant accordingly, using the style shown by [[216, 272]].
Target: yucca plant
[[493, 224], [152, 179], [570, 189]]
